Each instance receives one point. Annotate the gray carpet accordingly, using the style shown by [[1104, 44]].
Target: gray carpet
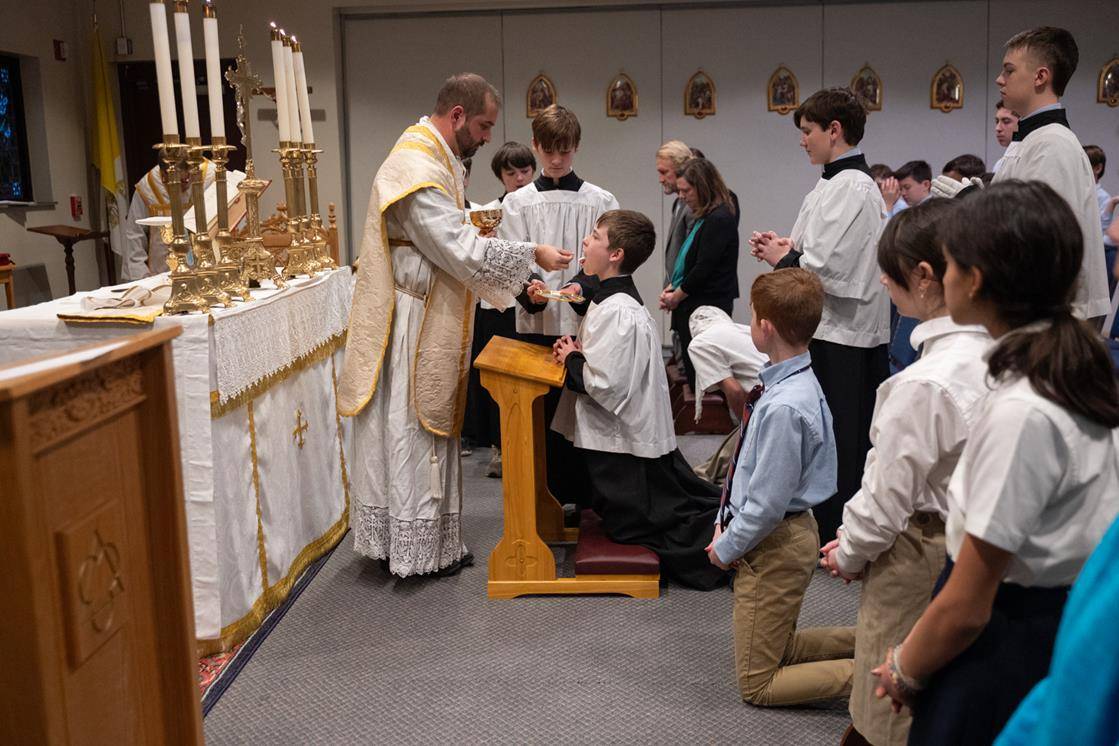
[[365, 658]]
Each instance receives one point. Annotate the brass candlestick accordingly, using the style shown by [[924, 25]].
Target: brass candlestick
[[317, 233], [300, 260], [229, 264], [184, 284], [208, 285], [257, 263]]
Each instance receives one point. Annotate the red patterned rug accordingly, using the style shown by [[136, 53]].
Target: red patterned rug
[[210, 668]]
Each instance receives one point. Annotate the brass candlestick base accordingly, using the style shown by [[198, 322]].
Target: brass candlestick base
[[185, 297], [259, 264], [301, 260]]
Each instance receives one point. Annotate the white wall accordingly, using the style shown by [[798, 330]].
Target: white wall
[[28, 31]]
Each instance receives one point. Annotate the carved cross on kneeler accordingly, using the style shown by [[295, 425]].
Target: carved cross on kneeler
[[300, 428]]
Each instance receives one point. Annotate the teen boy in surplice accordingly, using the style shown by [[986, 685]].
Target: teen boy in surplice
[[616, 411]]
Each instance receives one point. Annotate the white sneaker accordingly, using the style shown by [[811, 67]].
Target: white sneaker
[[494, 468]]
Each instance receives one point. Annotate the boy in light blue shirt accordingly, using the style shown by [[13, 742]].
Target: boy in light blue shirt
[[784, 464]]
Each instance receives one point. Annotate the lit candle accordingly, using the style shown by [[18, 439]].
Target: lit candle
[[213, 70], [293, 104], [162, 45], [186, 70], [281, 83], [301, 93]]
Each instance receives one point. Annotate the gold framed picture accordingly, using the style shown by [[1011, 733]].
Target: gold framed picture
[[699, 96], [621, 98], [782, 91], [540, 95], [946, 92], [1107, 91], [867, 85]]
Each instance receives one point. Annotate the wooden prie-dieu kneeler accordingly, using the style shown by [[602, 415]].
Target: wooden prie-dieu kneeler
[[518, 375]]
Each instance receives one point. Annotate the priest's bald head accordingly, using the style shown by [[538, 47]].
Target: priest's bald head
[[465, 112]]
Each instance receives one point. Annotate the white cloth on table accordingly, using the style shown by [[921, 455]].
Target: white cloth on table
[[557, 217], [922, 417], [1052, 154], [407, 484], [1037, 481], [721, 349], [837, 232], [626, 408]]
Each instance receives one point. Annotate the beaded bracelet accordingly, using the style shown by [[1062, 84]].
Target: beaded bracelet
[[907, 685]]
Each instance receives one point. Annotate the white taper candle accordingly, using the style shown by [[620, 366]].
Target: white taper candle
[[162, 44]]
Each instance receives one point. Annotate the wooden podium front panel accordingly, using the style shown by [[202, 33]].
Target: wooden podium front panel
[[92, 538]]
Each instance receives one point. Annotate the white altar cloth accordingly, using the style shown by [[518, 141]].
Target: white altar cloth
[[263, 452]]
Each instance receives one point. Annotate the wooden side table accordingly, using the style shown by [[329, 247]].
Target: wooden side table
[[68, 235], [9, 286]]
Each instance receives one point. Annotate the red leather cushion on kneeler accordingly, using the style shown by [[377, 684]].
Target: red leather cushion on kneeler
[[597, 555]]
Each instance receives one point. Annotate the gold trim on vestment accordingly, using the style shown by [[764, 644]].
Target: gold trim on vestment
[[320, 352], [256, 491], [341, 444], [392, 304]]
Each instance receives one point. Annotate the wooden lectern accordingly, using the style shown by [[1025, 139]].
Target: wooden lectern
[[98, 638], [517, 375]]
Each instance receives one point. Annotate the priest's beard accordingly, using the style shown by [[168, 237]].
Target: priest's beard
[[467, 146]]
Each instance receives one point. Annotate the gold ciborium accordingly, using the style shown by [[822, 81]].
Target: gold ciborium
[[486, 220]]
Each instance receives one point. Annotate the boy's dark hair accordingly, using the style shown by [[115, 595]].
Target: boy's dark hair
[[835, 105], [631, 232], [469, 90], [512, 155], [792, 300], [710, 189], [1000, 104], [1026, 243], [966, 165], [1097, 158], [916, 170], [1054, 48], [556, 128], [912, 237], [880, 171]]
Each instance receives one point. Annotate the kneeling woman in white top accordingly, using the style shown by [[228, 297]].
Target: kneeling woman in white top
[[1038, 482], [893, 528]]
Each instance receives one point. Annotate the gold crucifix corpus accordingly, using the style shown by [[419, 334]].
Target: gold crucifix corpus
[[300, 428]]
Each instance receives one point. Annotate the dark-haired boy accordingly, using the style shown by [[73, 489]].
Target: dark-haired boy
[[914, 180], [836, 237], [964, 166], [784, 467], [1036, 68], [616, 411]]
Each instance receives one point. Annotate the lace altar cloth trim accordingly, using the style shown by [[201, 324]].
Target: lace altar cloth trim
[[254, 341], [412, 547]]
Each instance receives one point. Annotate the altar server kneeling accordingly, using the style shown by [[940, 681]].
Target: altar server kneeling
[[616, 410]]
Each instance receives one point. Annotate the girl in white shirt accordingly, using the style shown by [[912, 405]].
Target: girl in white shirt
[[1038, 481], [893, 528]]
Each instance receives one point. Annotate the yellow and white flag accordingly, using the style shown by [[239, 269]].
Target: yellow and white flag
[[105, 147]]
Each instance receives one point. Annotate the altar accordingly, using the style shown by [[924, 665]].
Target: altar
[[263, 450]]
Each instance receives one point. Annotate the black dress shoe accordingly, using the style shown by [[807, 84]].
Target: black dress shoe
[[452, 569]]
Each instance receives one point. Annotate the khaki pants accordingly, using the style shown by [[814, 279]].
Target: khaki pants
[[776, 665], [896, 589]]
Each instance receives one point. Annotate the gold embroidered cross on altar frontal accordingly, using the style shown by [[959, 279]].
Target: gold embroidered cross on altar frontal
[[300, 428]]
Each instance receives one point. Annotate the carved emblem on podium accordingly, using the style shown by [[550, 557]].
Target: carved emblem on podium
[[300, 428], [99, 581], [521, 561]]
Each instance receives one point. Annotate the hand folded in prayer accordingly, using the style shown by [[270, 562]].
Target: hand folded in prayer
[[563, 347], [891, 191], [671, 297], [534, 290], [551, 258], [885, 686], [768, 247], [830, 562]]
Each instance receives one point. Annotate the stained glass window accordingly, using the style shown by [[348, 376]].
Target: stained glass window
[[15, 168]]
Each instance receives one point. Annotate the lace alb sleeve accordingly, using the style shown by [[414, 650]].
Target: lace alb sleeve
[[505, 268]]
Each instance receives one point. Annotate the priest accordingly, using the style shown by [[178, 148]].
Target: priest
[[407, 355], [143, 255]]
